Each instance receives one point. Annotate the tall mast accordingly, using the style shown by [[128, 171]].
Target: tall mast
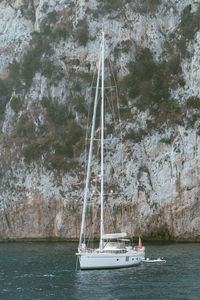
[[90, 152], [102, 143]]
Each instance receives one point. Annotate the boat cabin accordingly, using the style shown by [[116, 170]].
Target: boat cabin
[[115, 243]]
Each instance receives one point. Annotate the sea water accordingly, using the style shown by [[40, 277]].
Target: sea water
[[48, 271]]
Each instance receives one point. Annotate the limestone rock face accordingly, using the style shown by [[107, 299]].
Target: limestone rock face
[[159, 196]]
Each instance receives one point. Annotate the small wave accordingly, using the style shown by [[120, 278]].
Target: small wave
[[49, 275]]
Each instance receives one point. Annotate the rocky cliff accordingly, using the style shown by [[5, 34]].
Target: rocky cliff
[[48, 56]]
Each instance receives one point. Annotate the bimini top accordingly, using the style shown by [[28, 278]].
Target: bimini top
[[114, 236]]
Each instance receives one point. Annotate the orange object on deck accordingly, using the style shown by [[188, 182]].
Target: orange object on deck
[[139, 244]]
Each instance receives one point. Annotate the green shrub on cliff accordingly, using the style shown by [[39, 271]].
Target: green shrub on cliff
[[148, 87], [135, 136], [146, 6], [147, 81], [5, 94], [82, 32], [16, 104], [31, 152], [25, 127], [111, 5], [59, 138], [14, 69], [47, 68], [31, 64], [21, 73], [193, 109], [79, 104], [148, 84], [190, 22], [57, 114], [189, 26], [193, 103]]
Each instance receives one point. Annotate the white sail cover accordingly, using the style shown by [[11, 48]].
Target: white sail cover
[[112, 236]]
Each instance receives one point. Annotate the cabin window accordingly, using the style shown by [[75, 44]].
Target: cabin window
[[127, 258]]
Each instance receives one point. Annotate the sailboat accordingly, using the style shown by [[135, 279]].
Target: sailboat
[[113, 251]]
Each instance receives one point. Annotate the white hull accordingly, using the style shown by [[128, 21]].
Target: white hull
[[89, 261]]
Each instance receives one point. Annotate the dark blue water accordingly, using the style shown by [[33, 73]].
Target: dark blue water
[[47, 271]]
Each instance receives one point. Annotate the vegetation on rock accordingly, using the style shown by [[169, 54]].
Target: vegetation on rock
[[58, 139], [82, 32], [146, 6], [16, 104], [112, 5], [5, 94], [189, 26], [148, 86]]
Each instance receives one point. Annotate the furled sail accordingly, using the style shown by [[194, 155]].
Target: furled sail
[[112, 236]]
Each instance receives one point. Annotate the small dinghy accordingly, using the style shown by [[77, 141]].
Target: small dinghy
[[158, 260]]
